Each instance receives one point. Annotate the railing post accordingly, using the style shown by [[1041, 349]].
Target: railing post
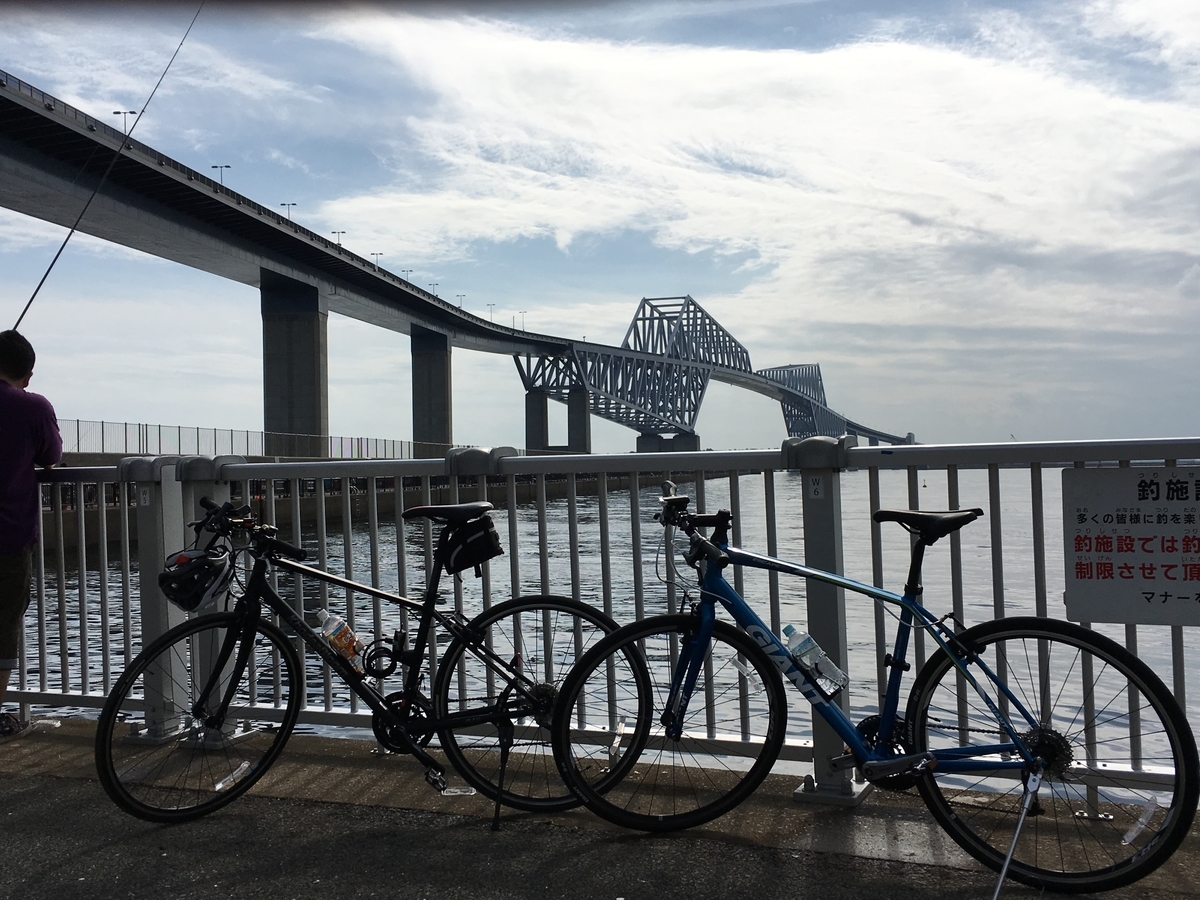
[[200, 476], [160, 530], [820, 460]]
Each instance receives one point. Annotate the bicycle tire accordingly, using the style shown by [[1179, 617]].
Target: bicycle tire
[[643, 779], [547, 634], [1081, 687], [163, 763]]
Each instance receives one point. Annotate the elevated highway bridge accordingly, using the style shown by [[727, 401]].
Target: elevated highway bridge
[[52, 156]]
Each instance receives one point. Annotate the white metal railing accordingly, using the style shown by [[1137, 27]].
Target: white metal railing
[[579, 525], [141, 439]]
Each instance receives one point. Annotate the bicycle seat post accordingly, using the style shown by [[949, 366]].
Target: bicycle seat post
[[433, 577], [913, 584]]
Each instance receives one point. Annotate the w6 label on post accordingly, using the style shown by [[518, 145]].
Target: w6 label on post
[[1131, 544]]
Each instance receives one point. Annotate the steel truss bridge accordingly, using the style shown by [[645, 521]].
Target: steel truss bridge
[[52, 157], [655, 381]]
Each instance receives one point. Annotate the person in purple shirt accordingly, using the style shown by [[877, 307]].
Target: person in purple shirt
[[28, 437]]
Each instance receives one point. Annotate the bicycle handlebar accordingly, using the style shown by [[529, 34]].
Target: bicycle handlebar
[[675, 513], [702, 546], [283, 548], [224, 518]]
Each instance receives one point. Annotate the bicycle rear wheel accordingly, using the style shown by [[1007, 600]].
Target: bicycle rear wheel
[[474, 698], [1121, 776], [620, 760], [161, 755]]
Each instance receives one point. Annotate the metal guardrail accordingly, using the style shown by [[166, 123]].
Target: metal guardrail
[[141, 439], [578, 525]]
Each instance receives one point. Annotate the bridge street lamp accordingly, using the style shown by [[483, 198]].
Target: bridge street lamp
[[522, 312], [288, 206], [433, 287], [491, 308], [376, 257], [461, 298], [125, 114], [338, 235], [221, 173], [407, 274]]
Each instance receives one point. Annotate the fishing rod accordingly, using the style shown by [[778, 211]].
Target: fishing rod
[[113, 162]]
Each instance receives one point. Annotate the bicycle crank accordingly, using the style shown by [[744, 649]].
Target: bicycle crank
[[417, 724], [914, 764]]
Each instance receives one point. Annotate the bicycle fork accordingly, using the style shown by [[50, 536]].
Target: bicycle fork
[[691, 657]]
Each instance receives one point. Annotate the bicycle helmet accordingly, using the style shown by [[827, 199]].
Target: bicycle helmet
[[193, 579]]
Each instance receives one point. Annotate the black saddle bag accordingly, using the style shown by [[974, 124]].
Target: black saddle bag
[[472, 544]]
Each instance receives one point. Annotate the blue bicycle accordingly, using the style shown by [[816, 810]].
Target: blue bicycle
[[1047, 751]]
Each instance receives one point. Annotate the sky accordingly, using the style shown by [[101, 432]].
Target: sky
[[980, 219]]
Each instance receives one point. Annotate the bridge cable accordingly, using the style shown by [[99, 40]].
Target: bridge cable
[[104, 177]]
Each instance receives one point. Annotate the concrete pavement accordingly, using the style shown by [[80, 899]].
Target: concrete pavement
[[333, 820]]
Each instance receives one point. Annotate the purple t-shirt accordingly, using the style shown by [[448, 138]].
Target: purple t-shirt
[[28, 437]]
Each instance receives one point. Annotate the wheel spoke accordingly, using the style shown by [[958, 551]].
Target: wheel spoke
[[155, 754], [543, 636], [653, 781], [1118, 792]]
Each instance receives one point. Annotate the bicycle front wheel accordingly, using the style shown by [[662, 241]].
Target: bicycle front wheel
[[1121, 776], [611, 744], [501, 685], [165, 751]]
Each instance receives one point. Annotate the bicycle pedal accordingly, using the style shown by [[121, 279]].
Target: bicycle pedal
[[841, 763], [436, 780], [458, 792]]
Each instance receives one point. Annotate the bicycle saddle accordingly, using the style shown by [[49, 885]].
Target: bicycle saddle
[[450, 513], [929, 526]]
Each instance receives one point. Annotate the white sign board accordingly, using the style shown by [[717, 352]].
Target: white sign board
[[1132, 545]]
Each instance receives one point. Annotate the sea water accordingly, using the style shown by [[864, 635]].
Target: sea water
[[979, 581]]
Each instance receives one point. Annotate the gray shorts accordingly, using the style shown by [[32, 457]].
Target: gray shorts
[[16, 571]]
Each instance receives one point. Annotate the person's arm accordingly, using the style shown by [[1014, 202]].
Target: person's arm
[[50, 453]]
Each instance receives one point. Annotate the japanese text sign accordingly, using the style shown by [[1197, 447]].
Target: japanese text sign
[[1132, 545]]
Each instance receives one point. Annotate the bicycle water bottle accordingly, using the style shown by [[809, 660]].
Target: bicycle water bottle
[[341, 638], [809, 656]]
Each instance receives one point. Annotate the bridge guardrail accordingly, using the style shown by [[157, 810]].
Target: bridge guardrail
[[580, 525]]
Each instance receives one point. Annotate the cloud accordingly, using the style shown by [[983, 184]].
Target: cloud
[[938, 207], [1189, 284], [1006, 215], [819, 163], [19, 233], [1160, 31], [99, 59], [290, 162]]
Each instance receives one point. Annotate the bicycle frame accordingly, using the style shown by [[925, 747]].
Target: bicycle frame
[[259, 592], [714, 588]]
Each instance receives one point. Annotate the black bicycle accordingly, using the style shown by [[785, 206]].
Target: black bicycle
[[203, 711]]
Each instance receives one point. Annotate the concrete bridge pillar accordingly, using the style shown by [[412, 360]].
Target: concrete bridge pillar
[[295, 366], [432, 414], [579, 421], [537, 420]]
